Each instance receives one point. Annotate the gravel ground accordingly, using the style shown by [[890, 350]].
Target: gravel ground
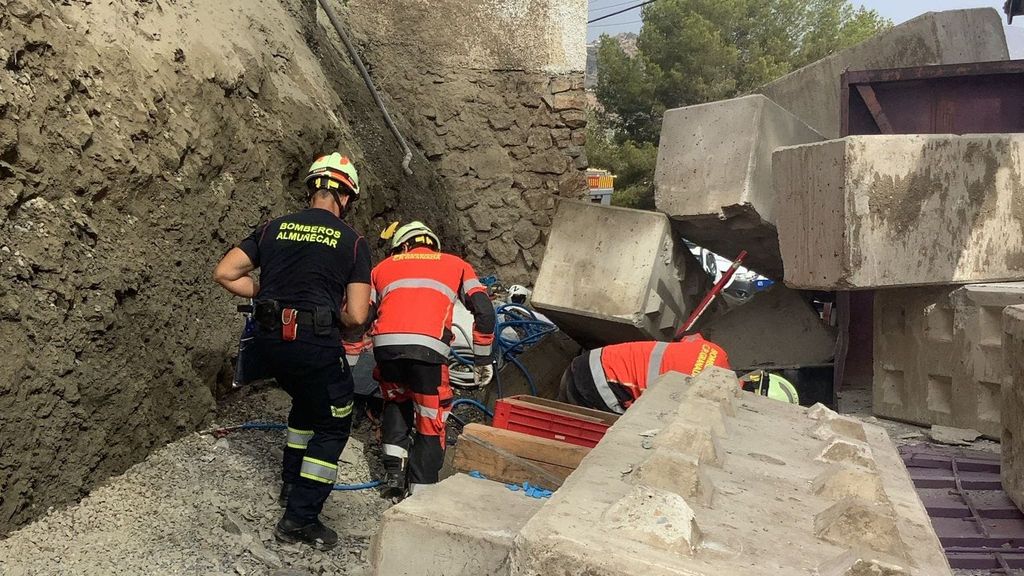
[[202, 506]]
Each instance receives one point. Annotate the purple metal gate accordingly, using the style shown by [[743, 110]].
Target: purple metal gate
[[979, 526]]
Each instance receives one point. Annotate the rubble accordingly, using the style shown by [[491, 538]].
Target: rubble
[[812, 93], [905, 210], [614, 275], [714, 175]]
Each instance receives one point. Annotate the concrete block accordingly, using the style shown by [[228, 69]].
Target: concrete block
[[450, 529], [607, 518], [939, 355], [1013, 405], [978, 336], [798, 336], [909, 210], [915, 359], [714, 175], [812, 93], [614, 275]]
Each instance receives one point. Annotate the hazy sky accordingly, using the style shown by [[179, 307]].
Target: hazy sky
[[896, 10]]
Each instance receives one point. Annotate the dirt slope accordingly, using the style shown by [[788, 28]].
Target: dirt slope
[[139, 139]]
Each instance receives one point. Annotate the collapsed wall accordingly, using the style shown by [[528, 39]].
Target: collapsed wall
[[139, 141], [494, 94]]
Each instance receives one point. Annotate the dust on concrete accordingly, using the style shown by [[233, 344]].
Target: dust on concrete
[[203, 505], [900, 200], [138, 142]]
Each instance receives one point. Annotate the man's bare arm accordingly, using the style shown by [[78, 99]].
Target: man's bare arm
[[232, 272]]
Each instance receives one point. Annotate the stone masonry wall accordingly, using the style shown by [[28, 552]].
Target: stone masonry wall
[[494, 96]]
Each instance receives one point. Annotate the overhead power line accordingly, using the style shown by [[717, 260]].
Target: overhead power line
[[633, 7], [610, 6], [617, 24]]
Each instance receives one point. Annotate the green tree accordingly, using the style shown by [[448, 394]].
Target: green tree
[[696, 51]]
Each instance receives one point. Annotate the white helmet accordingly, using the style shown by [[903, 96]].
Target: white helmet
[[518, 294]]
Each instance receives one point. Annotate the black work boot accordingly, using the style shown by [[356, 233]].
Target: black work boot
[[286, 490], [393, 487], [315, 533]]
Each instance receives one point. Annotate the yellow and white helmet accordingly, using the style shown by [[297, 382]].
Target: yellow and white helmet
[[415, 231], [333, 172]]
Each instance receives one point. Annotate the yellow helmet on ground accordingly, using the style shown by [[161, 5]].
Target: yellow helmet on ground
[[778, 388], [415, 232], [332, 172]]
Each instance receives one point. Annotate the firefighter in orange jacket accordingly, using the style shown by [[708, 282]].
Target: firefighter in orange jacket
[[414, 291], [613, 377]]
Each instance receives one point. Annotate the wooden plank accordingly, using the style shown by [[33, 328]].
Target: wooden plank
[[500, 465], [871, 100], [541, 451]]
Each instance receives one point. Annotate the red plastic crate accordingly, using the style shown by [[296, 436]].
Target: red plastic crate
[[549, 419]]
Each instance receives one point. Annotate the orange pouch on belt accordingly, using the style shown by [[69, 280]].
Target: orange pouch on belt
[[289, 324]]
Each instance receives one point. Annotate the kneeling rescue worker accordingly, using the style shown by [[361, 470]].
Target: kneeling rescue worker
[[613, 377], [314, 278], [415, 290]]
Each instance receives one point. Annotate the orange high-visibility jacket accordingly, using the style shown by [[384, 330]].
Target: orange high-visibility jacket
[[414, 294], [634, 365]]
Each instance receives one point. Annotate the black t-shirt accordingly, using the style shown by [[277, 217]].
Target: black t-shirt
[[306, 259]]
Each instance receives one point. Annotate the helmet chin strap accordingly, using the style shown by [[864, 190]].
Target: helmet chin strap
[[342, 208]]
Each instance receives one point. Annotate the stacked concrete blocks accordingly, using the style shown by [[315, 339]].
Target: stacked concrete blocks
[[613, 275], [813, 92], [714, 175], [462, 526], [732, 484], [906, 210], [1013, 405]]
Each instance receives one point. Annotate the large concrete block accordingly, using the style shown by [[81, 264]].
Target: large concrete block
[[714, 175], [915, 357], [812, 93], [723, 501], [452, 529], [614, 275], [1013, 405], [939, 355], [778, 328], [885, 211], [982, 373]]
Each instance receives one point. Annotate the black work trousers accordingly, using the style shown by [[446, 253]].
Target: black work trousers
[[320, 383], [417, 398]]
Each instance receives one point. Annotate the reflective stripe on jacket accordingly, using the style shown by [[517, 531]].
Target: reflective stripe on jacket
[[632, 366], [414, 293]]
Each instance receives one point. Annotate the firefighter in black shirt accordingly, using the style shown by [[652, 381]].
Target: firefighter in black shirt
[[314, 280]]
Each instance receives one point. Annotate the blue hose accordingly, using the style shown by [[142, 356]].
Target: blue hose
[[474, 404], [363, 486]]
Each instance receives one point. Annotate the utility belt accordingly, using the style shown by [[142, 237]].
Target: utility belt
[[270, 315]]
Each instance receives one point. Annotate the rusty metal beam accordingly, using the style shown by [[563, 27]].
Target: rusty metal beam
[[867, 93]]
